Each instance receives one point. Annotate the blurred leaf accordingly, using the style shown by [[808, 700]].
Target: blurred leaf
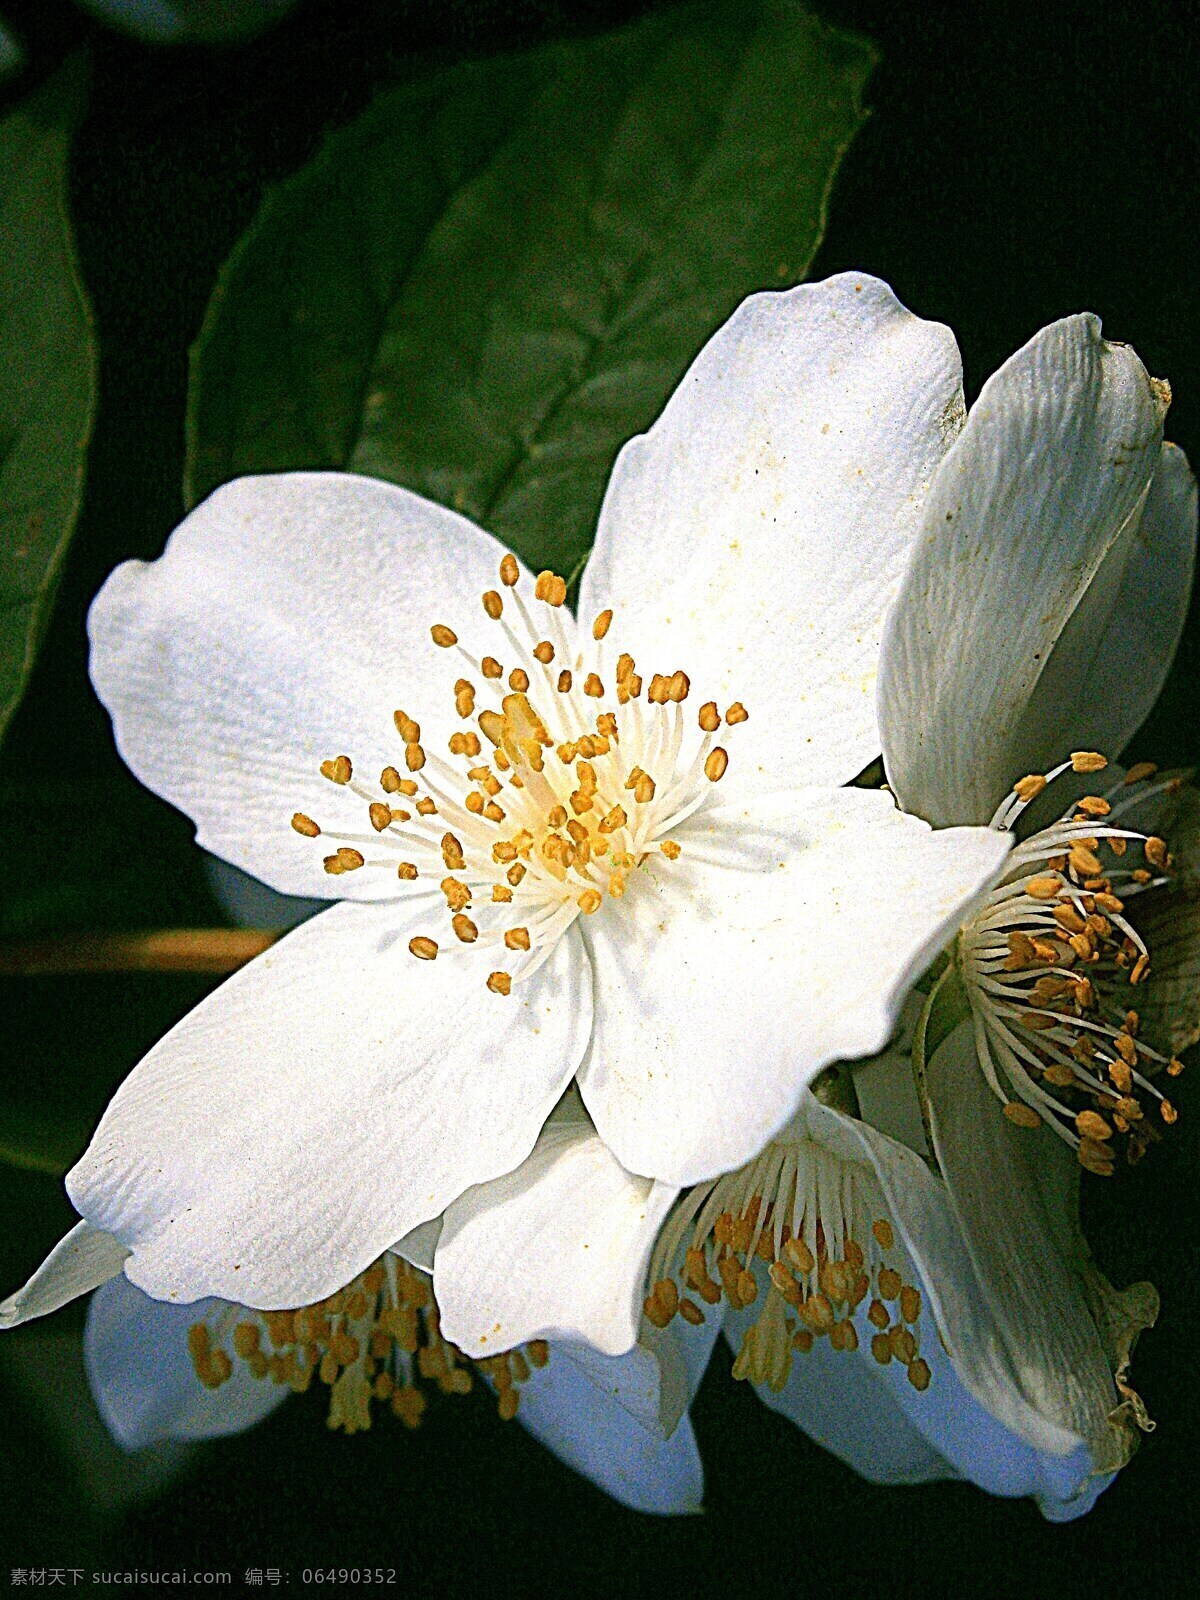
[[487, 283], [47, 370]]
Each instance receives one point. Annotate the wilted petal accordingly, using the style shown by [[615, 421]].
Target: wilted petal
[[785, 937], [1048, 474], [755, 536], [322, 1102]]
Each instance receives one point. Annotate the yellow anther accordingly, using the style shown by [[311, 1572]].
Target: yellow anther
[[414, 757], [518, 679], [390, 781], [1155, 850], [910, 1303], [424, 949], [501, 894], [710, 717], [491, 667], [305, 825], [884, 1237], [1043, 888], [550, 588], [517, 938], [442, 636], [426, 807], [615, 819], [890, 1283], [452, 852], [1140, 771], [1069, 919], [406, 870], [589, 901], [716, 765], [346, 860], [464, 744], [493, 604], [338, 770], [602, 624], [1094, 805], [474, 803], [1084, 862], [398, 814], [509, 571], [671, 850], [919, 1375], [843, 1335], [678, 687], [464, 928], [1088, 761], [737, 713], [458, 896], [515, 873], [380, 816], [499, 983], [1168, 1112], [1021, 1115], [1141, 969], [1091, 1125], [1030, 787], [1095, 1157], [606, 726], [493, 726], [592, 686]]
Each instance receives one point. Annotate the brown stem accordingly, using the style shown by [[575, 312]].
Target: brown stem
[[216, 950]]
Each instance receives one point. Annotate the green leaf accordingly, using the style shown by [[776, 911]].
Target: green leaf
[[47, 371], [488, 282]]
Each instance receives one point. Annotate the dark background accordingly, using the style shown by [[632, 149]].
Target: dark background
[[1019, 164]]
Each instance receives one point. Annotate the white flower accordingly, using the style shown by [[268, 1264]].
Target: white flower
[[1041, 612], [609, 904]]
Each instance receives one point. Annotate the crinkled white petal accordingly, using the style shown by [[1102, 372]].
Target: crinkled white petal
[[80, 1261], [284, 624], [756, 535], [556, 1249], [1055, 459], [589, 1419], [785, 937], [322, 1102], [141, 1375]]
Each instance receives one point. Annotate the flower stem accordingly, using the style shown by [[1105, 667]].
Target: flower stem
[[215, 950]]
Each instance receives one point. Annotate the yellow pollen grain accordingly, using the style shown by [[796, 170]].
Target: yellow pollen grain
[[499, 983], [491, 667], [1140, 771], [1021, 1115], [464, 929], [305, 825], [602, 624], [424, 949], [517, 938], [1029, 787], [493, 604], [406, 870], [737, 713], [339, 770], [1088, 761], [414, 757], [716, 765]]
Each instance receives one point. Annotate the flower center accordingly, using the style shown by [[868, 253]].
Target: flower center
[[1050, 963], [806, 1227], [581, 782], [369, 1342]]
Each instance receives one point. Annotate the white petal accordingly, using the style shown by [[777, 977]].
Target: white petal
[[322, 1102], [845, 1408], [593, 1432], [756, 535], [556, 1249], [285, 622], [138, 1366], [997, 1264], [81, 1260], [785, 937], [657, 1380], [1055, 459], [1112, 658], [418, 1244], [884, 1086]]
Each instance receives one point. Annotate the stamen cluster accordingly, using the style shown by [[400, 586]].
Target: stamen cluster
[[796, 1222], [578, 786], [369, 1343], [1050, 964]]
